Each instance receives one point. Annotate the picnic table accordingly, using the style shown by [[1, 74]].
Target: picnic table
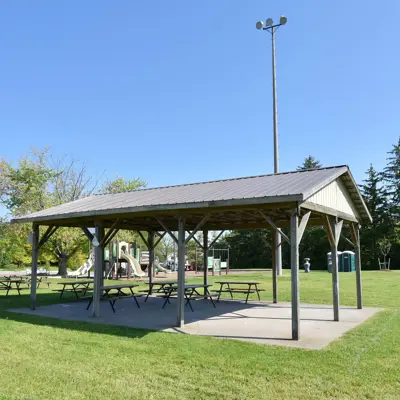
[[113, 293], [10, 283], [252, 287], [158, 287], [77, 287], [190, 293], [39, 279]]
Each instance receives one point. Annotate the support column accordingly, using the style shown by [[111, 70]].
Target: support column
[[205, 258], [358, 265], [274, 271], [181, 274], [150, 268], [98, 267], [278, 253], [335, 277], [294, 265], [35, 256]]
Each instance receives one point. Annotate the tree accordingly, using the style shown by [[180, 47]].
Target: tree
[[119, 185], [36, 183], [376, 199], [391, 175], [384, 245], [249, 248], [309, 162]]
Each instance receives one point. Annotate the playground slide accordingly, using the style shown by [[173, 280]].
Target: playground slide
[[84, 269], [161, 269], [137, 270]]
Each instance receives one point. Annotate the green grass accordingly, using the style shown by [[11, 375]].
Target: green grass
[[43, 358]]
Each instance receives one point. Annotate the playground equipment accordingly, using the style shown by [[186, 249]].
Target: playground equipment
[[85, 268], [145, 259], [218, 261], [122, 261], [384, 265]]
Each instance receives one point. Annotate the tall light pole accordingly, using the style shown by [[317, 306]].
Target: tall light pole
[[270, 27]]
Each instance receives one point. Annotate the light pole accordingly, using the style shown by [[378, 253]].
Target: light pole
[[270, 27]]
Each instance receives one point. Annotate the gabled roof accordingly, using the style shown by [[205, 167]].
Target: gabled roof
[[286, 187]]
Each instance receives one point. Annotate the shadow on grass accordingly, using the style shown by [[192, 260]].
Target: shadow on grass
[[23, 301]]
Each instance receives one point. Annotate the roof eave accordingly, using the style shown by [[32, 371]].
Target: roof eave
[[163, 207]]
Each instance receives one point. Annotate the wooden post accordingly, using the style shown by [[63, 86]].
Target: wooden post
[[294, 256], [274, 271], [335, 278], [181, 274], [98, 267], [150, 268], [357, 244], [205, 258], [35, 256]]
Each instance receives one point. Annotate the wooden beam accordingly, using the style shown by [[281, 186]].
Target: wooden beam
[[199, 225], [144, 239], [274, 272], [109, 233], [161, 222], [295, 282], [328, 211], [181, 274], [356, 231], [110, 237], [329, 232], [35, 256], [159, 239], [87, 233], [336, 228], [150, 267], [338, 231], [195, 239], [48, 234], [98, 269], [272, 224], [205, 260], [215, 239], [302, 226], [347, 240]]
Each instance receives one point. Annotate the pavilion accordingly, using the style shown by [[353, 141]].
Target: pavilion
[[326, 197]]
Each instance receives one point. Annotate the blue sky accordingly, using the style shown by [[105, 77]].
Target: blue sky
[[180, 91]]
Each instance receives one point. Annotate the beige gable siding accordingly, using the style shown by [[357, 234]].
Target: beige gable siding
[[335, 196]]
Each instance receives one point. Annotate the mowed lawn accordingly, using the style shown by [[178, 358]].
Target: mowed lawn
[[43, 358]]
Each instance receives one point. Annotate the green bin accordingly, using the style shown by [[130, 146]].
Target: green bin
[[348, 263]]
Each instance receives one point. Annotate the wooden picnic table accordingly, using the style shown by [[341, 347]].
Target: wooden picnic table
[[113, 293], [76, 287], [39, 279], [190, 293], [252, 287], [158, 287], [7, 284]]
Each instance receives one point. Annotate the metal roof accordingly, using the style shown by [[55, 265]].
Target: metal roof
[[294, 186]]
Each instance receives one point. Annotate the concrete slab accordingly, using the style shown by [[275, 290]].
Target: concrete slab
[[258, 322]]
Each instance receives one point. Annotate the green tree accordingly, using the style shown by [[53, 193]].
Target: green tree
[[309, 162], [119, 185], [376, 199], [36, 183], [249, 248]]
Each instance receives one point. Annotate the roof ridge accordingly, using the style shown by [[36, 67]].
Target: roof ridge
[[223, 180]]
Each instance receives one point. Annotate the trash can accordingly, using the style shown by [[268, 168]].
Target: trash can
[[329, 257]]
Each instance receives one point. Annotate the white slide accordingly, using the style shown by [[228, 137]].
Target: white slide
[[161, 269], [136, 268], [84, 269]]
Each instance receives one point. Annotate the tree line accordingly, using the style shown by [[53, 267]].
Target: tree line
[[38, 182]]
